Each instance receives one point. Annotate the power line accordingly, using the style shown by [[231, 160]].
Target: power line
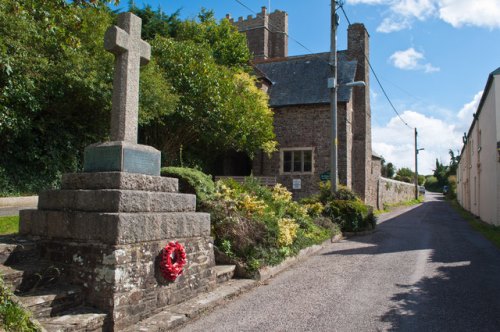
[[376, 76]]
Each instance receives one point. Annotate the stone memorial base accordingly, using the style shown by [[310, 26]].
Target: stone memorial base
[[122, 156], [106, 232]]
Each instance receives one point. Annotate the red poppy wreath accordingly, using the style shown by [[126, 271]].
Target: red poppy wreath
[[173, 259]]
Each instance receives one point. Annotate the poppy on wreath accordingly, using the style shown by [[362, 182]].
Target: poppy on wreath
[[173, 259]]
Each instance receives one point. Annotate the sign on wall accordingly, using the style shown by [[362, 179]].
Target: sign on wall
[[297, 184]]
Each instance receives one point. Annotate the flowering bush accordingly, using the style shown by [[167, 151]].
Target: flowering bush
[[258, 226], [287, 231]]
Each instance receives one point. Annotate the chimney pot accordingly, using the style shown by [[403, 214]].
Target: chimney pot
[[264, 10]]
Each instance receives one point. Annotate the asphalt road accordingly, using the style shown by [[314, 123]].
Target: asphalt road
[[422, 270]]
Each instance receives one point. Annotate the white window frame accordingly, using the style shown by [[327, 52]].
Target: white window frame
[[294, 150]]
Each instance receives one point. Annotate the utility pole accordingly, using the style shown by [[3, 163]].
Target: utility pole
[[416, 166], [332, 84]]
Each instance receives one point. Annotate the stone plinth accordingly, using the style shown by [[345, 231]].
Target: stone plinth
[[106, 231], [122, 156]]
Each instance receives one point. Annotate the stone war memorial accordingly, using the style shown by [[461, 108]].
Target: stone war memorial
[[118, 231]]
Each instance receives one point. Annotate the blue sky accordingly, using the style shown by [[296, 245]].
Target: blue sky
[[432, 57]]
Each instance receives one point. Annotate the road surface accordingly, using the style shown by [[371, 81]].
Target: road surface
[[422, 270]]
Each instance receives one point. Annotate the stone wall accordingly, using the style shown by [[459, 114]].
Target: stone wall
[[267, 34], [392, 191], [375, 174], [306, 127]]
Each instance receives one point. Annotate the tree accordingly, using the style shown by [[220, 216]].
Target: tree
[[55, 76], [454, 160], [220, 108], [388, 169], [405, 174]]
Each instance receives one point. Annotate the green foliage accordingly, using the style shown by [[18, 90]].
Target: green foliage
[[219, 109], [352, 216], [56, 78], [452, 184], [9, 225], [227, 45], [262, 225], [192, 181], [432, 183], [405, 174], [343, 208], [388, 170], [12, 316], [156, 22]]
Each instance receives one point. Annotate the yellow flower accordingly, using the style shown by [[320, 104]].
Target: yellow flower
[[314, 209], [251, 204], [280, 193], [287, 231]]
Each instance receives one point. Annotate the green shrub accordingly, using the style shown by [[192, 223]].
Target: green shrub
[[342, 193], [192, 181], [352, 216], [12, 316], [259, 226]]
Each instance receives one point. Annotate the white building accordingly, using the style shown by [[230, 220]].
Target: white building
[[478, 173]]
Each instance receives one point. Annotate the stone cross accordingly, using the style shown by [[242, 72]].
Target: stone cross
[[124, 41]]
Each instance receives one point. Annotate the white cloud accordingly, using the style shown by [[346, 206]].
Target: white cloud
[[402, 13], [395, 141], [411, 59], [465, 114], [481, 13], [392, 24], [419, 9]]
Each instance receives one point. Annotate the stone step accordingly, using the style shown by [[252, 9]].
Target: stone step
[[47, 302], [119, 180], [174, 316], [15, 250], [29, 275], [114, 228], [76, 320], [113, 200], [224, 273]]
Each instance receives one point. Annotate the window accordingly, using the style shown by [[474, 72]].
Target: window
[[298, 160]]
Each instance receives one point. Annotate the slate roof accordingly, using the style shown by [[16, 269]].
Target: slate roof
[[303, 80]]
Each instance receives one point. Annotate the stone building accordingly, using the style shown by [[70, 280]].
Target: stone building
[[300, 98]]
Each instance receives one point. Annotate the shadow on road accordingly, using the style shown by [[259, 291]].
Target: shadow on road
[[461, 293]]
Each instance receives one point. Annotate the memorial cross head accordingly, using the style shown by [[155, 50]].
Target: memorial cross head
[[131, 52]]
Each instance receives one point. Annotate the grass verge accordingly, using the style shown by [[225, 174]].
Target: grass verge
[[9, 225], [491, 232]]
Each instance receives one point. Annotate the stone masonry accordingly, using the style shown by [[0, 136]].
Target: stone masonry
[[106, 231], [105, 228], [304, 122], [267, 34], [358, 48]]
